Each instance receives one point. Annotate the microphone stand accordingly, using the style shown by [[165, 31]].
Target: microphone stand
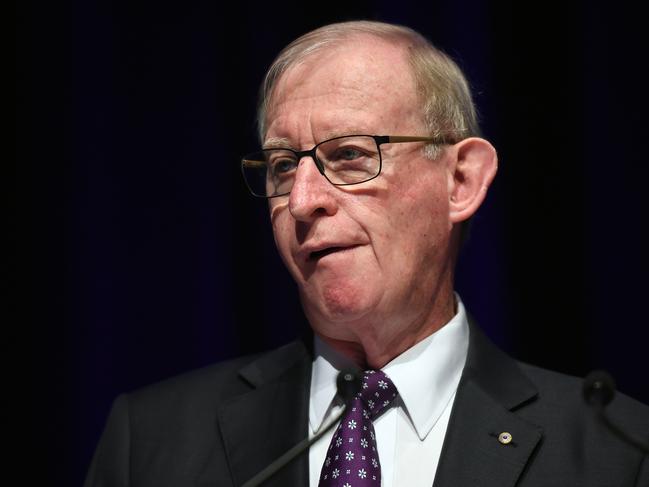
[[599, 390], [348, 384]]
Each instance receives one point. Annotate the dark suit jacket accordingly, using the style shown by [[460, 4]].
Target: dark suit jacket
[[221, 425]]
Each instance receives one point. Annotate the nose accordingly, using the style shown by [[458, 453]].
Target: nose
[[311, 195]]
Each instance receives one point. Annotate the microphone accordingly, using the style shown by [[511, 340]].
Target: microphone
[[599, 391], [599, 388], [348, 384]]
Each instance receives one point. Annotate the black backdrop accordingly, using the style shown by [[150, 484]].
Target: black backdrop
[[146, 257]]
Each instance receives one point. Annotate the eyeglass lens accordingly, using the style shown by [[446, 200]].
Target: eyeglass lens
[[345, 160]]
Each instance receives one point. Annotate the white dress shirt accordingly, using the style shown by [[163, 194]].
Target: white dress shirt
[[410, 434]]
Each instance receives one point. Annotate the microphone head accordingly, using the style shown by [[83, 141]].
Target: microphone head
[[348, 384], [599, 388]]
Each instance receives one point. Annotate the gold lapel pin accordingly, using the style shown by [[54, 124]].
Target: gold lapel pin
[[505, 438]]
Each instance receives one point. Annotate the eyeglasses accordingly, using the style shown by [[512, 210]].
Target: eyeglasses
[[343, 161]]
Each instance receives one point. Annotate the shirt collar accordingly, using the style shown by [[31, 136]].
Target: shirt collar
[[328, 362], [426, 375]]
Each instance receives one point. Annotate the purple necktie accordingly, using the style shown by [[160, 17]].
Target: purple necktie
[[352, 458]]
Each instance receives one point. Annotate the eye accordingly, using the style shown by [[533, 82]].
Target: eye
[[348, 154], [282, 165]]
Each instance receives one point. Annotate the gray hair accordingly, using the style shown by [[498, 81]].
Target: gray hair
[[447, 107]]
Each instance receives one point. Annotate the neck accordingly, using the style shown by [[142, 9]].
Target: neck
[[374, 346]]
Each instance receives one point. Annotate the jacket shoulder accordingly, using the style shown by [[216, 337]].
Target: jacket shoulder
[[168, 433], [207, 387]]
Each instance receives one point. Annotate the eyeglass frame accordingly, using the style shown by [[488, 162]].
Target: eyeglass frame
[[379, 139]]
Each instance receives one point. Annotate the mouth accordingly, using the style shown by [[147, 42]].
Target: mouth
[[318, 254]]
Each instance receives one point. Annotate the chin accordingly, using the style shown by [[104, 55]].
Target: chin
[[339, 303]]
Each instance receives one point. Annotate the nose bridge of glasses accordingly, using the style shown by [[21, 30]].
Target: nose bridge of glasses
[[308, 187], [312, 154]]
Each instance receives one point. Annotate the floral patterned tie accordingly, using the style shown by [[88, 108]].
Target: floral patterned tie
[[352, 458]]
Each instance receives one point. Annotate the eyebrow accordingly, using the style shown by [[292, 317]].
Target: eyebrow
[[342, 133], [285, 143], [277, 143]]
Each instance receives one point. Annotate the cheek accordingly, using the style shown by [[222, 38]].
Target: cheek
[[422, 205], [282, 231], [418, 223]]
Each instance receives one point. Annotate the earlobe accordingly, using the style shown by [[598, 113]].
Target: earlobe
[[474, 169]]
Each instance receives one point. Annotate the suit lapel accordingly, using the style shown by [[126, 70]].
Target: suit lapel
[[491, 389], [259, 426]]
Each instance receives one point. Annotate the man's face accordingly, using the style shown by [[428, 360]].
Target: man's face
[[371, 256]]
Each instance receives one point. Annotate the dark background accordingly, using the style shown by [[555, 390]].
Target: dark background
[[145, 256]]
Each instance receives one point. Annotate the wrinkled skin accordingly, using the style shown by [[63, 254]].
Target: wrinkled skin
[[382, 279]]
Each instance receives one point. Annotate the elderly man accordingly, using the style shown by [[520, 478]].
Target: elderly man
[[372, 165]]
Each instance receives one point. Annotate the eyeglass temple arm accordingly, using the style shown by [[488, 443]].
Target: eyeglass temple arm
[[395, 139], [251, 163]]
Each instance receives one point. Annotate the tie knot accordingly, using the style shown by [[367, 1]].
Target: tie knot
[[377, 392]]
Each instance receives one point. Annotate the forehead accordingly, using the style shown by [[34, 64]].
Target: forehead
[[359, 85]]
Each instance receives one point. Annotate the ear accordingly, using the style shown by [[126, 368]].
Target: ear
[[470, 174]]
